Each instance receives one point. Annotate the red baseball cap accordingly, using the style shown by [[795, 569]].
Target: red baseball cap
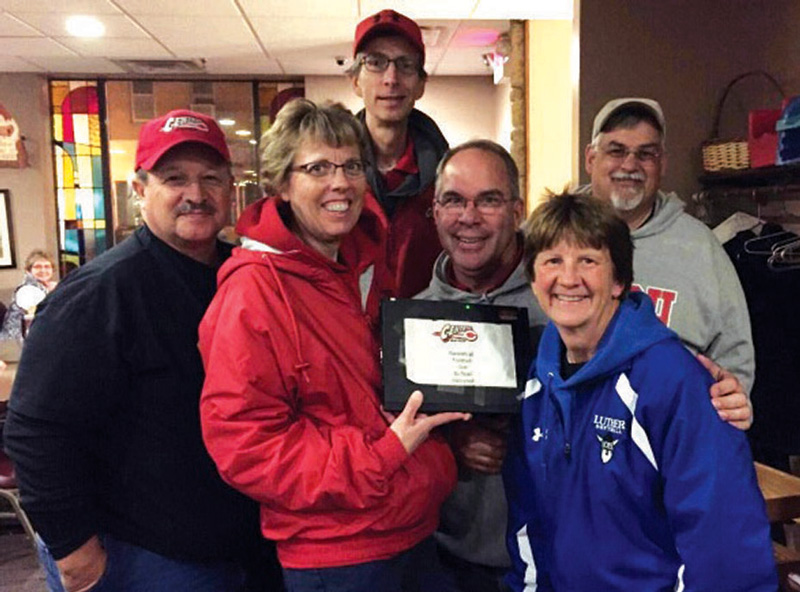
[[389, 22], [158, 135]]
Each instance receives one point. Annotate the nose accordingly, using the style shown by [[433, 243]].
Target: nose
[[390, 74], [470, 214], [339, 179], [630, 161], [569, 273], [194, 191]]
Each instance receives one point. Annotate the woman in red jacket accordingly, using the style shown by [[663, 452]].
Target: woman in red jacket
[[290, 407]]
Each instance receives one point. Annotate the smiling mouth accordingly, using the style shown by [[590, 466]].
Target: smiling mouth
[[336, 206], [567, 298]]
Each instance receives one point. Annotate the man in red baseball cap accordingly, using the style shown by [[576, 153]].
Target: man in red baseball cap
[[104, 429], [406, 145]]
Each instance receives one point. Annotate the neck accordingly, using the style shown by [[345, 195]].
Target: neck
[[582, 342], [491, 276], [389, 141], [636, 218], [203, 253]]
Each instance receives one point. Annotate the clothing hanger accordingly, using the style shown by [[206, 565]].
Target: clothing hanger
[[762, 245]]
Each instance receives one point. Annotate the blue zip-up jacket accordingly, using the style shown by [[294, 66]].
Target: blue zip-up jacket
[[623, 477]]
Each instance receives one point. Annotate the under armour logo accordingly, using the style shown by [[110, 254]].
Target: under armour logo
[[537, 435]]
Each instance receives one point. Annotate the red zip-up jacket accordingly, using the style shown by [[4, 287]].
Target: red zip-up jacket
[[290, 407]]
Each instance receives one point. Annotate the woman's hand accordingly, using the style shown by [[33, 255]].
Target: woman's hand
[[412, 429]]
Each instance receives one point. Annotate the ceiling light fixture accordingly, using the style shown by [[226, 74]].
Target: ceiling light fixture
[[243, 132], [227, 122], [85, 26]]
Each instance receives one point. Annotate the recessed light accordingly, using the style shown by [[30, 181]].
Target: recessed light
[[227, 122], [85, 26], [244, 133], [253, 142]]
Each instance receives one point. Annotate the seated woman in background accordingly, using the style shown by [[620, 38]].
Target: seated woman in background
[[620, 474], [36, 284], [291, 410]]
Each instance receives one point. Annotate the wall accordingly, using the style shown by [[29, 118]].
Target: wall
[[33, 209], [683, 53], [464, 107]]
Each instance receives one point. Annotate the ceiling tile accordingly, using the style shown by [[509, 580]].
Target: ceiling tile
[[54, 24], [12, 27], [32, 47], [14, 64], [199, 37], [523, 9], [207, 8], [422, 9], [280, 34], [139, 49], [61, 6], [307, 10]]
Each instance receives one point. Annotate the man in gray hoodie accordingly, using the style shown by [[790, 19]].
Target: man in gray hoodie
[[677, 260], [478, 209]]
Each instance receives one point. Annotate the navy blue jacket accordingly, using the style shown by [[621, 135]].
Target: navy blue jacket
[[623, 477]]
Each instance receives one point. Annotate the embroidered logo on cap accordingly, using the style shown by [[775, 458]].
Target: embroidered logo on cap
[[184, 122]]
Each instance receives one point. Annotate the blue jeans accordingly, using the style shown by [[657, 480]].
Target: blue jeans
[[415, 570], [133, 569]]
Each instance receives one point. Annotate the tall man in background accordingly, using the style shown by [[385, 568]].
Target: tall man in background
[[405, 144], [104, 425]]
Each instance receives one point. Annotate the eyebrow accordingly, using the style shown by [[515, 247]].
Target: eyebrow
[[486, 192]]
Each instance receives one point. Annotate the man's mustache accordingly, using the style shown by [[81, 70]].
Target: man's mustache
[[192, 208]]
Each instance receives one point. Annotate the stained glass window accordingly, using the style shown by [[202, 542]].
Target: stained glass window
[[77, 153]]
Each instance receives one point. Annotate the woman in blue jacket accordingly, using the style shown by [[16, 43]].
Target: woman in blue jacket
[[620, 475]]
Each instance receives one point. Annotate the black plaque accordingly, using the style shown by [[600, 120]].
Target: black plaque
[[463, 357]]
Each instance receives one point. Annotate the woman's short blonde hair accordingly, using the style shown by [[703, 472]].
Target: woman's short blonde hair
[[299, 121]]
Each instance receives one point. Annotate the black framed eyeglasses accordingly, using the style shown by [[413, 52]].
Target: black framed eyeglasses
[[648, 154], [379, 63], [489, 203], [352, 169]]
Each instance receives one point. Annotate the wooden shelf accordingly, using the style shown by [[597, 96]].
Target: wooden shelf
[[760, 177]]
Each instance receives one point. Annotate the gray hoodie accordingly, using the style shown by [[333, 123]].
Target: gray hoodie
[[473, 519], [682, 266]]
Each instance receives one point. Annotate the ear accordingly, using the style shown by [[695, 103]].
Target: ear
[[138, 188], [420, 90], [590, 154], [617, 290], [519, 212], [663, 164], [356, 87]]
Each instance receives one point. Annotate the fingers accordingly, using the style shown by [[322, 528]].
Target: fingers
[[412, 406], [736, 409]]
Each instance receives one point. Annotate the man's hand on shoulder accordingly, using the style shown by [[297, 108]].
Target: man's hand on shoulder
[[83, 568], [728, 396]]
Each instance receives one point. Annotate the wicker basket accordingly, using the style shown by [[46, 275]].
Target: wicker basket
[[729, 154]]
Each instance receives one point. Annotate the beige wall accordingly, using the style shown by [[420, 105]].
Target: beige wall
[[464, 107], [33, 209], [683, 53]]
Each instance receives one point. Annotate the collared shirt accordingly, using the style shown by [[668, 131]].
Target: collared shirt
[[406, 165]]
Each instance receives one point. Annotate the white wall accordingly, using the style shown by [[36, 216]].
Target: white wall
[[464, 107], [33, 210]]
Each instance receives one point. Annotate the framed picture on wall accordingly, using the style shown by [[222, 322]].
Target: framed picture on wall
[[6, 232]]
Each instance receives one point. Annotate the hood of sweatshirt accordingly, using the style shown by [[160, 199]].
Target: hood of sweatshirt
[[668, 208], [441, 289], [633, 329]]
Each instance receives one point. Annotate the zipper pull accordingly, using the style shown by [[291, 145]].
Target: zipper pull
[[567, 449]]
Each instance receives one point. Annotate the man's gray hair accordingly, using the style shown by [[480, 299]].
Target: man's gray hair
[[512, 172]]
